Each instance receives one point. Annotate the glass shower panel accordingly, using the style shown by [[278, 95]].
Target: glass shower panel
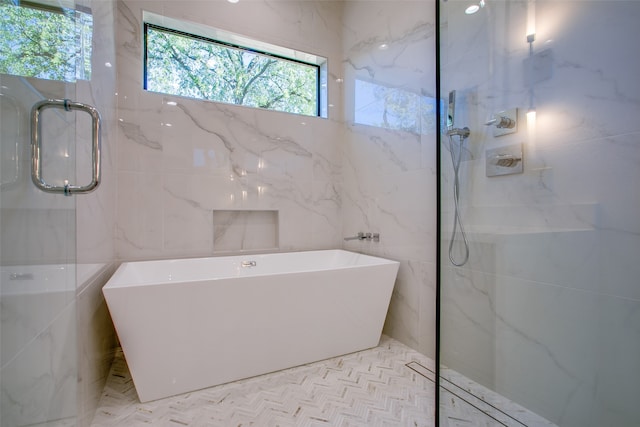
[[37, 251], [546, 311], [37, 254], [38, 349]]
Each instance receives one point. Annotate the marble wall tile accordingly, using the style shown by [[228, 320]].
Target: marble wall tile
[[245, 230], [38, 236], [389, 166], [326, 178], [412, 314], [96, 212], [96, 217], [195, 157], [468, 308], [40, 384], [187, 220], [27, 309], [139, 227], [36, 226], [403, 318], [543, 327], [96, 343], [426, 332]]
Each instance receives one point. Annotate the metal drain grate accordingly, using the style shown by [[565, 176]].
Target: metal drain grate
[[491, 411]]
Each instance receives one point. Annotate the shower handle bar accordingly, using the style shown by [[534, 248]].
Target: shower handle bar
[[36, 146]]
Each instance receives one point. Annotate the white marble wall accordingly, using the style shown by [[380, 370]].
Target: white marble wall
[[95, 218], [546, 311], [389, 178], [327, 178], [96, 341], [249, 159], [96, 211]]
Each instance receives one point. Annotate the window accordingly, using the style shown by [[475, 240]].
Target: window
[[393, 108], [43, 40], [188, 63]]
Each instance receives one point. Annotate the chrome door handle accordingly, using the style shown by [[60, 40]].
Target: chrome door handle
[[36, 146]]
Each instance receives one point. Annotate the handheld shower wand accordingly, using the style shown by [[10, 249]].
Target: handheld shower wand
[[462, 134]]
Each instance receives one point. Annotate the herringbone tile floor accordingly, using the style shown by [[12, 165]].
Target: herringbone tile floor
[[389, 385], [368, 388]]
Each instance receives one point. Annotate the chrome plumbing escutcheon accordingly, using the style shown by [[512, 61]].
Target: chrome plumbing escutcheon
[[505, 160]]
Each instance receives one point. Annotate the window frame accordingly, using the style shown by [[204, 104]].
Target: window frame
[[318, 67]]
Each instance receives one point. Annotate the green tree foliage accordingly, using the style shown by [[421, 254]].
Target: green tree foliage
[[55, 43], [47, 43], [393, 108], [187, 66]]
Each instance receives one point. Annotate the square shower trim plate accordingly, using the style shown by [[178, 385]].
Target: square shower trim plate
[[504, 160]]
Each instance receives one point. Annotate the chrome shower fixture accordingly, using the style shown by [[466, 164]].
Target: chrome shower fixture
[[365, 236], [464, 132], [501, 122], [456, 158], [505, 122], [505, 160]]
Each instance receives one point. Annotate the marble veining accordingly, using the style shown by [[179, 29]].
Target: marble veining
[[135, 134], [326, 177], [230, 157]]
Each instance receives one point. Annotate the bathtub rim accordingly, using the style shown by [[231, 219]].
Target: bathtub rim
[[115, 281]]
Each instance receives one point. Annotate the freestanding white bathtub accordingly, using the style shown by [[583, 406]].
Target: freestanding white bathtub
[[194, 323]]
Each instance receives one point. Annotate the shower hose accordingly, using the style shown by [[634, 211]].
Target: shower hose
[[457, 221]]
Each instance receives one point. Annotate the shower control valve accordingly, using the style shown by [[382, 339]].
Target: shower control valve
[[501, 122], [505, 122]]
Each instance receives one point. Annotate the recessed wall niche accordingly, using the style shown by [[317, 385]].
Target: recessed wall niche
[[244, 230]]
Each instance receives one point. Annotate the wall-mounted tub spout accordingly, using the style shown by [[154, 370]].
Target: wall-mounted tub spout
[[365, 236], [359, 236]]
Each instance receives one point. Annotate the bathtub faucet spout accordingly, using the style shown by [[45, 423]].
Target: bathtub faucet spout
[[365, 236], [359, 236]]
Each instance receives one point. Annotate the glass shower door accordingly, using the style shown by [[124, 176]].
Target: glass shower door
[[543, 319], [38, 349], [37, 253]]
